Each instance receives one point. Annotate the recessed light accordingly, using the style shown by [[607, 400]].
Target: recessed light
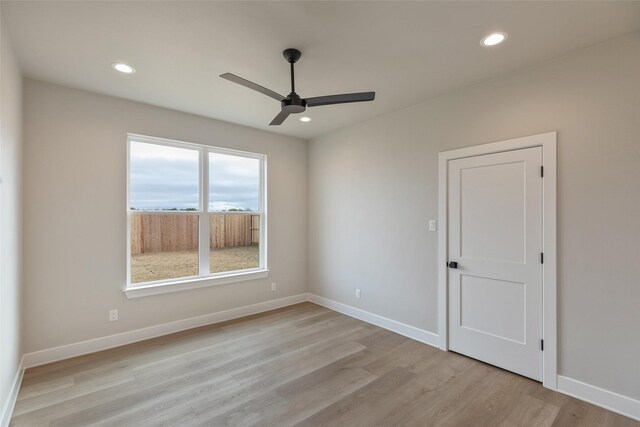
[[494, 39], [123, 68], [305, 119]]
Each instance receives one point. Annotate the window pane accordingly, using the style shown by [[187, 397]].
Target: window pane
[[163, 246], [234, 242], [234, 183], [163, 178]]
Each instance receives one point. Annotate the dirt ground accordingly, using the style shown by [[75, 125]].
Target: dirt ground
[[170, 265]]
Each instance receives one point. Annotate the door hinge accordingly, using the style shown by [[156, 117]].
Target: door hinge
[[541, 257], [541, 171], [541, 345]]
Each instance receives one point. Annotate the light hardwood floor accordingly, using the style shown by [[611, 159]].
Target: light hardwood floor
[[302, 365]]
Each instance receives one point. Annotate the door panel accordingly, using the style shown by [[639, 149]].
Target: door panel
[[495, 236], [478, 217], [506, 299]]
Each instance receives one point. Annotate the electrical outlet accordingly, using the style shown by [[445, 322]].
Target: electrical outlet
[[273, 287], [358, 294], [113, 315], [433, 225]]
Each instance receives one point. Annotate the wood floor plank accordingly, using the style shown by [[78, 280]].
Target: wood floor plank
[[272, 375], [528, 410], [316, 391], [423, 404], [44, 387], [248, 347], [491, 404], [216, 386], [301, 365], [360, 407], [253, 411], [174, 344]]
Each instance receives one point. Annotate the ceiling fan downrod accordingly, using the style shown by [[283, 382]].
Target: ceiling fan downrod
[[292, 56]]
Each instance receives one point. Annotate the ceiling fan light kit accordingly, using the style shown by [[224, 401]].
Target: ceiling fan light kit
[[293, 103]]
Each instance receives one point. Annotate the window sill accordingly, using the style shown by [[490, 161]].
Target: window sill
[[200, 282]]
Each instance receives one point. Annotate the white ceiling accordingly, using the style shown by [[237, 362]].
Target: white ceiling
[[405, 51]]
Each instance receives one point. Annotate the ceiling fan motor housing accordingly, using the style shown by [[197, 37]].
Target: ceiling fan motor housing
[[294, 104]]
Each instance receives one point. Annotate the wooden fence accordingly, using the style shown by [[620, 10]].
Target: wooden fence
[[179, 232]]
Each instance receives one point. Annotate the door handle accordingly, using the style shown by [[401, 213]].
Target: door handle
[[453, 264]]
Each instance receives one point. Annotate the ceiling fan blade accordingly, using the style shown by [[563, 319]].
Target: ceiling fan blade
[[279, 118], [340, 99], [251, 85]]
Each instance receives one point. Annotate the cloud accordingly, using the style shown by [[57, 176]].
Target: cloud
[[164, 177], [233, 182]]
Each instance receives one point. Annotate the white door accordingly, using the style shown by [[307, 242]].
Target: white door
[[495, 237]]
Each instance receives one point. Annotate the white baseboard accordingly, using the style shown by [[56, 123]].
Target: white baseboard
[[103, 343], [604, 398], [90, 346], [7, 407], [614, 402], [610, 400], [392, 325]]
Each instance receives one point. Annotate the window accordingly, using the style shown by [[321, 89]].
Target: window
[[194, 213]]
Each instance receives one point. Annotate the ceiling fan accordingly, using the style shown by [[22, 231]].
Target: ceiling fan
[[292, 103]]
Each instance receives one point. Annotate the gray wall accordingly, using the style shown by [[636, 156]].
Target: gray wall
[[74, 215], [10, 217], [373, 186]]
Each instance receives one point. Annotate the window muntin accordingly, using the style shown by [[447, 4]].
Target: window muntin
[[229, 235]]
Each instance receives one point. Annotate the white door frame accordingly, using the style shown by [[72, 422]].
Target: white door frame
[[548, 143]]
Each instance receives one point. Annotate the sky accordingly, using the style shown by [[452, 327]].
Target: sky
[[163, 177]]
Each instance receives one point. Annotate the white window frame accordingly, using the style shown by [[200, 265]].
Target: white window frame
[[204, 277]]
